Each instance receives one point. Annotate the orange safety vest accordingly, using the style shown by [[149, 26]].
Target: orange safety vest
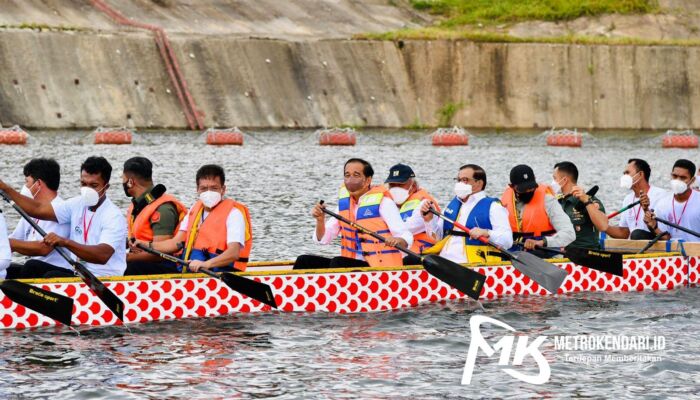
[[140, 226], [534, 222], [210, 235], [353, 242], [421, 240]]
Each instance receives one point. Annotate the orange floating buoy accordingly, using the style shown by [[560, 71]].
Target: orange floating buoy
[[337, 137], [454, 136], [222, 137], [113, 135], [14, 135], [680, 140], [564, 138]]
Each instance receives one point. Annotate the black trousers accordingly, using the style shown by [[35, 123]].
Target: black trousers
[[309, 261], [147, 268], [40, 269]]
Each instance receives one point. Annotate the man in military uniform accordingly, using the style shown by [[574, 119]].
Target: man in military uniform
[[587, 213]]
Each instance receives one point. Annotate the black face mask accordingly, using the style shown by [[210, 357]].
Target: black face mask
[[126, 188], [525, 197]]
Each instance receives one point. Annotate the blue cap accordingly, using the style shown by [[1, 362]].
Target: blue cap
[[400, 173]]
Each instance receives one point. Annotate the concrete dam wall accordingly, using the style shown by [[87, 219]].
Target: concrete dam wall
[[81, 79]]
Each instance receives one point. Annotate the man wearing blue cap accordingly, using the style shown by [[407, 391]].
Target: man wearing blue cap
[[409, 197]]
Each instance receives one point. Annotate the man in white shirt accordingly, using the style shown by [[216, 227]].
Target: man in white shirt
[[42, 177], [636, 178], [683, 208], [216, 234], [484, 216], [371, 207], [5, 252], [97, 226]]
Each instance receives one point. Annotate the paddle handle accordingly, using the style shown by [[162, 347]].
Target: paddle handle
[[162, 255], [623, 209], [366, 231], [651, 242], [552, 249], [680, 228], [467, 230]]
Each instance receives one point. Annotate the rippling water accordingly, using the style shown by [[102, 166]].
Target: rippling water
[[416, 353]]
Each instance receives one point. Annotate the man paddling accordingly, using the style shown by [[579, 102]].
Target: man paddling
[[484, 216], [683, 208], [97, 226], [42, 177], [409, 196], [372, 208], [153, 215], [586, 212], [216, 234], [636, 178], [535, 215]]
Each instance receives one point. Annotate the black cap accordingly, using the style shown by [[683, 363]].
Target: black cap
[[400, 173], [522, 177]]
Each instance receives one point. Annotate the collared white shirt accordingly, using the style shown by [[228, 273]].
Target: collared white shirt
[[389, 213], [633, 218], [686, 214], [106, 225], [500, 233], [5, 252], [24, 231], [235, 225]]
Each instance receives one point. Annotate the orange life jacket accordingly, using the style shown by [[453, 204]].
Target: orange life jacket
[[353, 242], [140, 226], [210, 235], [421, 240], [534, 222]]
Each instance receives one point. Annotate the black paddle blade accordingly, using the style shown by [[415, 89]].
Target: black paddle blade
[[599, 260], [253, 289], [52, 305], [546, 274], [107, 296], [461, 278]]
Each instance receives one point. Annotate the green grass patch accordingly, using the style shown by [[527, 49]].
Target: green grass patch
[[463, 12], [438, 33]]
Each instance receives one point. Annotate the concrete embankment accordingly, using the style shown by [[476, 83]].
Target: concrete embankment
[[78, 79]]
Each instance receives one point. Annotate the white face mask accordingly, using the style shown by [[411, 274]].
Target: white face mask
[[556, 186], [210, 198], [399, 195], [678, 186], [27, 191], [463, 190], [90, 196], [626, 182]]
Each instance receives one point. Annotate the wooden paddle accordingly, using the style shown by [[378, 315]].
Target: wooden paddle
[[604, 261], [253, 289], [107, 296], [623, 209], [547, 275], [461, 278]]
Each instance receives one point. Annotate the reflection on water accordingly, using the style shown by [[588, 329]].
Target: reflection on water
[[415, 353]]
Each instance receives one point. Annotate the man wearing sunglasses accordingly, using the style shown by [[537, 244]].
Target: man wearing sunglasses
[[535, 215]]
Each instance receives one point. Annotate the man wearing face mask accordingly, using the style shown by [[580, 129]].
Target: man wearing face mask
[[484, 216], [369, 206], [216, 234], [153, 216], [408, 196], [636, 178], [534, 214], [683, 208], [98, 228], [42, 177], [586, 212]]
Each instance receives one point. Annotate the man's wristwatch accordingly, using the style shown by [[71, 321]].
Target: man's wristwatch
[[589, 202]]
